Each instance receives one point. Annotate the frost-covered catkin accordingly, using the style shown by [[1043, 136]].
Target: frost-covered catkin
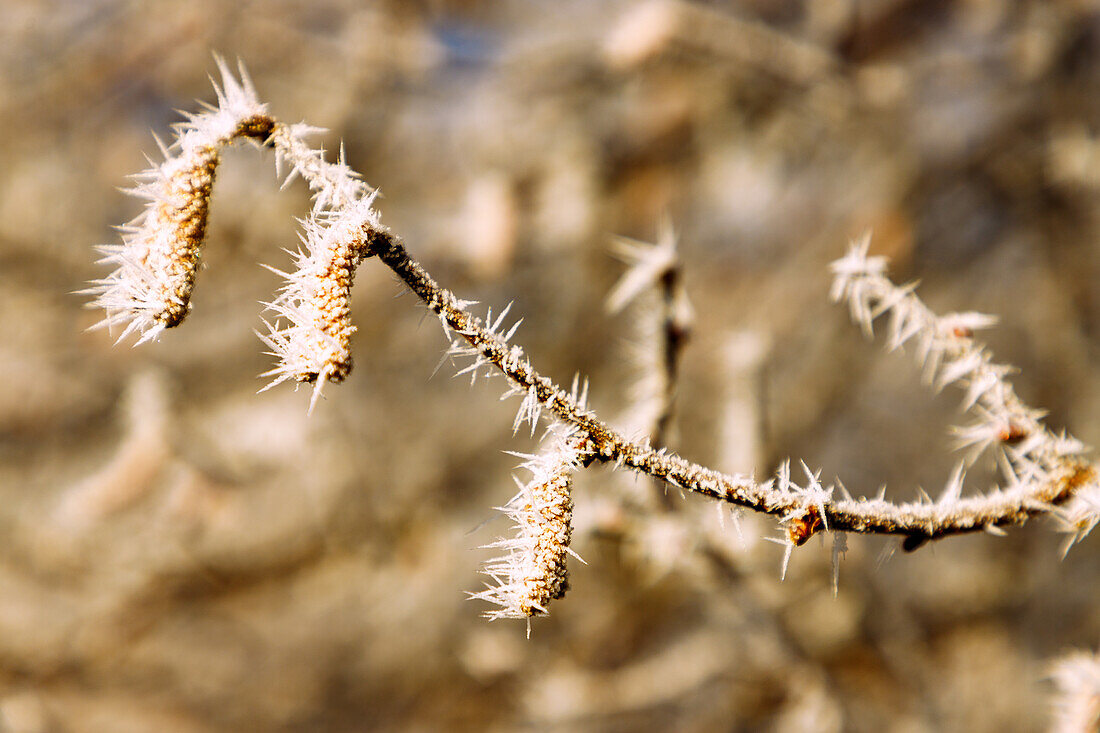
[[532, 572], [550, 505], [181, 214], [150, 289], [311, 334]]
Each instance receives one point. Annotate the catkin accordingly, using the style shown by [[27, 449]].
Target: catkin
[[180, 217], [546, 577], [150, 289], [311, 334], [532, 571]]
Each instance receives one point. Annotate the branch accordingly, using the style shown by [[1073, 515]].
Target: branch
[[805, 509], [311, 330]]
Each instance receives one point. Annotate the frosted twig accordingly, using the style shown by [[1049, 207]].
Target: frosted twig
[[655, 267]]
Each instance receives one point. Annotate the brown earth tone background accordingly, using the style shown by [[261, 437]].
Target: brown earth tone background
[[178, 553]]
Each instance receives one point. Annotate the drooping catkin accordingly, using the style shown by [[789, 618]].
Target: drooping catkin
[[150, 289], [550, 505], [311, 333], [180, 218], [532, 571]]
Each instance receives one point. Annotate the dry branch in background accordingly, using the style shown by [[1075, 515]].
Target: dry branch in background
[[310, 330]]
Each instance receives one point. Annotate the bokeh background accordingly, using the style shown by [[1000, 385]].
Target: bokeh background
[[179, 553]]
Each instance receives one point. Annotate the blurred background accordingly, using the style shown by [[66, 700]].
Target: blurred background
[[181, 554]]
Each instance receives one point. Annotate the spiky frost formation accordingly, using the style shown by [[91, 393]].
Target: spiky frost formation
[[311, 332], [334, 185], [532, 571], [647, 264], [150, 289], [1077, 703], [1027, 453], [156, 265], [1079, 515]]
